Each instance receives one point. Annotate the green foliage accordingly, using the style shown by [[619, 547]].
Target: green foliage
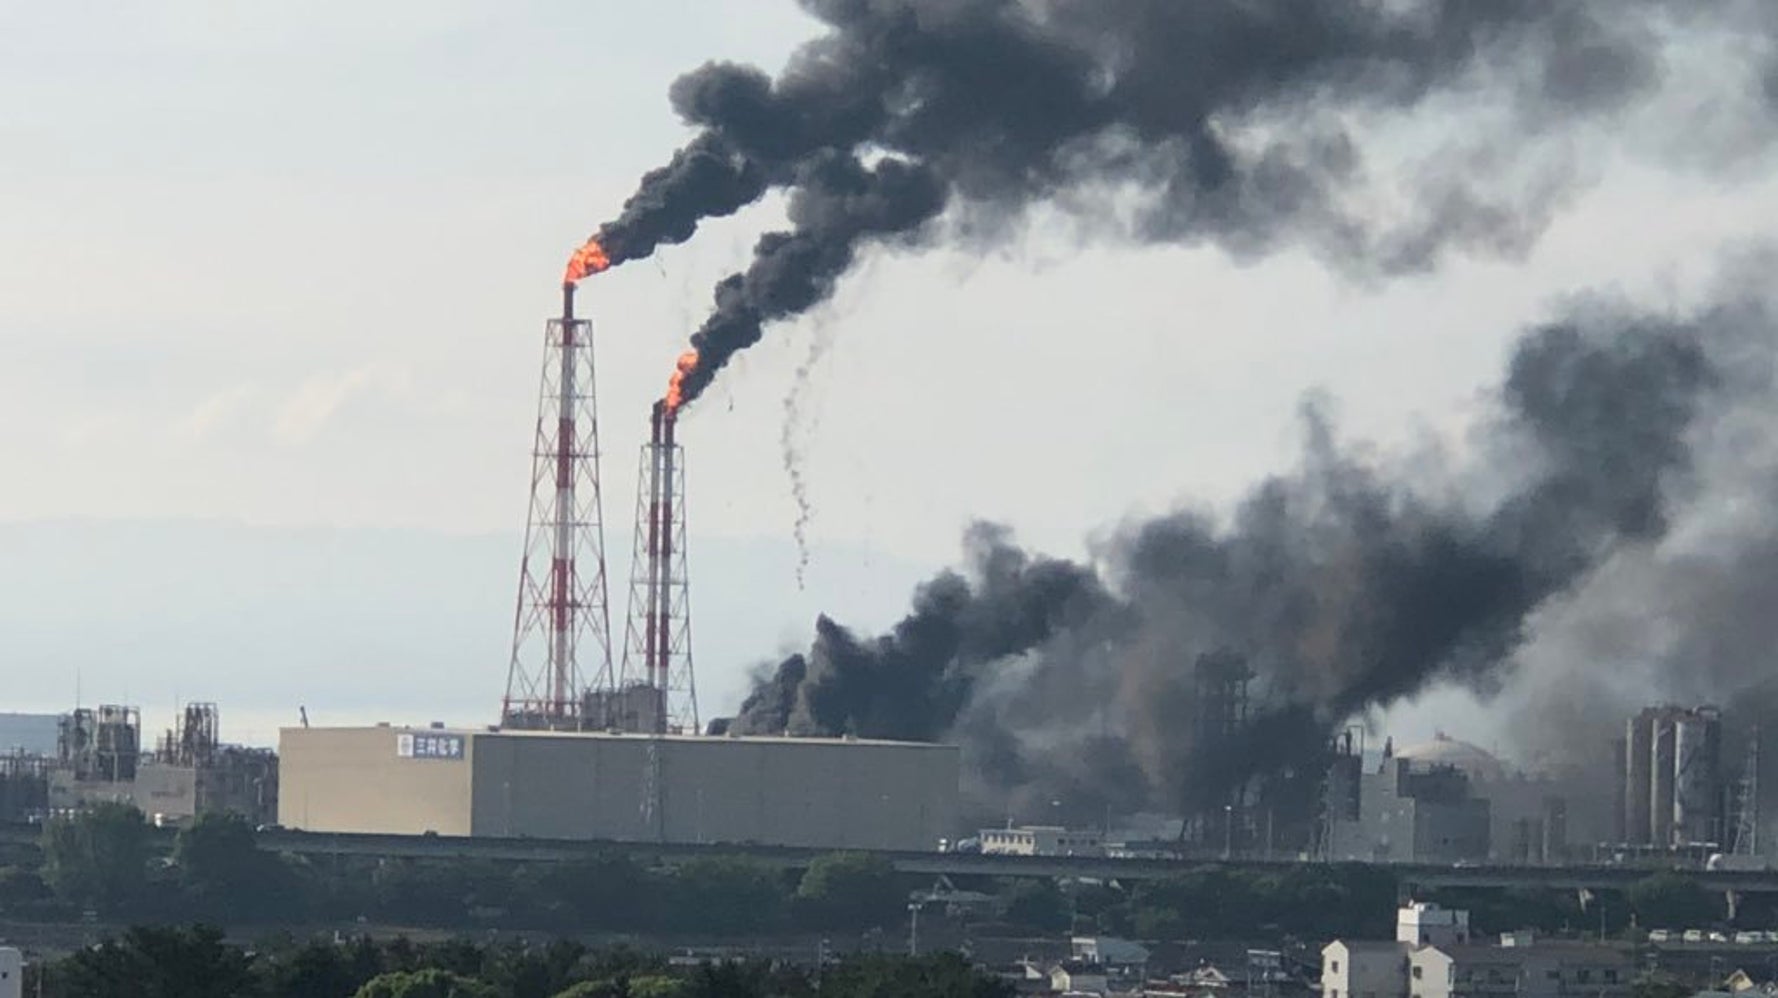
[[98, 858], [598, 892], [849, 891], [18, 885], [321, 967], [943, 976], [1672, 899], [603, 988], [430, 983], [729, 895], [224, 875], [156, 963], [657, 986], [521, 971], [1036, 904], [1313, 901]]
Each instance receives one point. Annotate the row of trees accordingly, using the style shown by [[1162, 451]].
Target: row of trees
[[199, 963], [105, 861]]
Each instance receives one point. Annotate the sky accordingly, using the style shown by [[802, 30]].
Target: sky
[[274, 274]]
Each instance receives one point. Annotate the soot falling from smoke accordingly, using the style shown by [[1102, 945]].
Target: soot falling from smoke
[[1343, 586]]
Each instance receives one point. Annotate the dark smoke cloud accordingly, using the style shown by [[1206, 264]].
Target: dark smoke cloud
[[1235, 122], [1682, 620], [1345, 586]]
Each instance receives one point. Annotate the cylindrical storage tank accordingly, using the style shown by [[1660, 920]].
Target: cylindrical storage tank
[[1661, 767], [1638, 736], [1694, 779]]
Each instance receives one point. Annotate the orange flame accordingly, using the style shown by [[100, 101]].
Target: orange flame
[[589, 259], [687, 363]]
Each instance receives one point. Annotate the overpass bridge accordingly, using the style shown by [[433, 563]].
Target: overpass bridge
[[1411, 876]]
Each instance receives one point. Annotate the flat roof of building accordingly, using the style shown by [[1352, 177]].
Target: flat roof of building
[[492, 732]]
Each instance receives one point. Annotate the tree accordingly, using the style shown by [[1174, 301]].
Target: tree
[[98, 857], [728, 895], [320, 967], [1672, 899], [429, 983], [945, 975], [849, 891], [21, 885], [157, 963], [1037, 904], [225, 875]]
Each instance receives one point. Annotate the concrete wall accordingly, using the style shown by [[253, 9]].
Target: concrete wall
[[166, 793], [356, 780], [1408, 816], [825, 793], [12, 973], [1363, 970], [781, 791]]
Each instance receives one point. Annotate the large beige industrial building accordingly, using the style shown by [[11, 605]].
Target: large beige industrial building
[[819, 792]]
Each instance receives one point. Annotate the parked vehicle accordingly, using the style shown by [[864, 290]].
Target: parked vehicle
[[1659, 936]]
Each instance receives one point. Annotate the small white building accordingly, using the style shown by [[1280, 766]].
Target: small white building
[[1364, 969], [1425, 924], [1432, 957], [12, 973], [1080, 977], [1042, 840], [1540, 970]]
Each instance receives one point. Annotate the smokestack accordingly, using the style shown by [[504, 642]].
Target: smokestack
[[653, 637], [657, 671], [562, 615], [663, 555]]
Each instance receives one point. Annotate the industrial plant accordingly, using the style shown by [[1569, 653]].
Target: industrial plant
[[601, 740], [101, 756], [586, 751]]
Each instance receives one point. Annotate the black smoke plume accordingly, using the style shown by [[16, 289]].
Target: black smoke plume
[[1248, 124], [1344, 586]]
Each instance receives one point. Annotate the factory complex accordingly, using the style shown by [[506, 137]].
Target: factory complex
[[601, 739]]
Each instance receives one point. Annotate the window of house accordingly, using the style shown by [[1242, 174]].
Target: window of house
[[1554, 975], [1584, 976], [1336, 969], [1419, 973], [1611, 977]]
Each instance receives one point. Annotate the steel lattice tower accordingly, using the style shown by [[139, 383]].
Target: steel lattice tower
[[656, 684], [563, 621]]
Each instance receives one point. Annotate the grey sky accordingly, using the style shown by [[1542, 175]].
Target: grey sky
[[289, 265]]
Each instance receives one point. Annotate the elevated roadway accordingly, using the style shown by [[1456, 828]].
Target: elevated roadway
[[1411, 876]]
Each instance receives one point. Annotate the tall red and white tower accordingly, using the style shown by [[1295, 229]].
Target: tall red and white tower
[[656, 683], [562, 628]]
